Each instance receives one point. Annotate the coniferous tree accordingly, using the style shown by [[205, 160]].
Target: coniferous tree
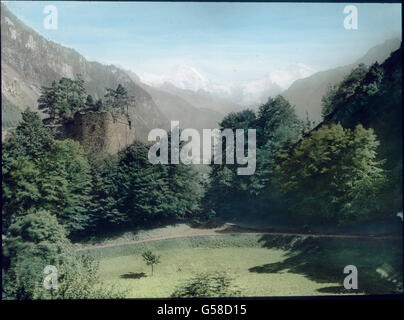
[[230, 194], [65, 184], [90, 102], [30, 139], [105, 194], [117, 99], [99, 106], [62, 99], [338, 94]]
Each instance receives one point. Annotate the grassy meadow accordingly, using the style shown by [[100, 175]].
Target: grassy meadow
[[260, 265]]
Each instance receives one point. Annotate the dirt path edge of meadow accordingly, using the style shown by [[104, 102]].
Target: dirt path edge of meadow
[[229, 229]]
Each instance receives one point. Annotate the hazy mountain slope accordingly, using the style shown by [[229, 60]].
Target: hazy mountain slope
[[380, 52], [10, 112], [202, 99], [306, 93], [189, 84], [175, 108], [30, 61]]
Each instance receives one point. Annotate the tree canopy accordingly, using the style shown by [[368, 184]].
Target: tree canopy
[[62, 99], [332, 175]]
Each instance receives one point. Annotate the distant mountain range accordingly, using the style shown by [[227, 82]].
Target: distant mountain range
[[30, 61], [191, 86], [185, 78], [247, 94], [300, 84], [175, 107]]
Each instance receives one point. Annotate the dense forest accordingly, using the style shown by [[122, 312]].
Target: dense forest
[[53, 190], [346, 169]]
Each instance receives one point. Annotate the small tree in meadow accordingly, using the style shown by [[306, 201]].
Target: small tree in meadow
[[150, 258]]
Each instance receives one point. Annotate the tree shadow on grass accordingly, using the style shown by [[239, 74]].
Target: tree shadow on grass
[[323, 260], [132, 275]]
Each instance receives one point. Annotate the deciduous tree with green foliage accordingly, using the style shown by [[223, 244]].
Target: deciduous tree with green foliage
[[332, 176], [150, 258], [42, 173], [375, 101], [37, 240]]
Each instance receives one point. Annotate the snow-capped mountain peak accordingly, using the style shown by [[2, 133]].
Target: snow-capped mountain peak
[[182, 77], [249, 93], [188, 78]]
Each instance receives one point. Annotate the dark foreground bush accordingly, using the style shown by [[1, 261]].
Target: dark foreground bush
[[207, 285]]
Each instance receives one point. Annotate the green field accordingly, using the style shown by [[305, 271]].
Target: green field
[[260, 265]]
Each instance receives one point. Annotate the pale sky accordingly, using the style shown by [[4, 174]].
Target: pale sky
[[227, 42]]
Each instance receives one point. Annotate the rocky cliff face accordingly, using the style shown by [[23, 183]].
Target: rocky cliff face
[[101, 133], [30, 61]]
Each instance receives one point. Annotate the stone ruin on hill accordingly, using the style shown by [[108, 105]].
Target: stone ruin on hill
[[101, 133]]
